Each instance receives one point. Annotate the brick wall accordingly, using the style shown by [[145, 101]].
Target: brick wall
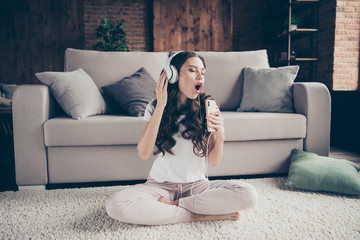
[[346, 48], [136, 13], [325, 42]]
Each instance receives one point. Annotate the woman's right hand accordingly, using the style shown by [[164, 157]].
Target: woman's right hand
[[161, 91], [150, 131]]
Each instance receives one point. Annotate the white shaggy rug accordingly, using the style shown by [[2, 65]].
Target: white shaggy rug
[[80, 214]]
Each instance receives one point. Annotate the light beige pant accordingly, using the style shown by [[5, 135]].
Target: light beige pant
[[139, 204]]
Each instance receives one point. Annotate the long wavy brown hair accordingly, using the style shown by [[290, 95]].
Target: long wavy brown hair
[[194, 119]]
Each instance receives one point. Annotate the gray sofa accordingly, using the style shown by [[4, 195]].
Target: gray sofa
[[53, 149]]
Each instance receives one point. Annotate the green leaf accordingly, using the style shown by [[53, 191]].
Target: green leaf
[[112, 35]]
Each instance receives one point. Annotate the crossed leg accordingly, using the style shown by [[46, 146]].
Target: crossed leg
[[198, 217], [155, 205]]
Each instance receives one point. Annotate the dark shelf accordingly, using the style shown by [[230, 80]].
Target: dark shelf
[[304, 60], [304, 30], [297, 33], [6, 110], [299, 2], [283, 62], [7, 162], [302, 40]]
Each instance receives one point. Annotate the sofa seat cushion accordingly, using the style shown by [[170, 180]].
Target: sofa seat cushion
[[248, 126], [95, 130], [107, 130]]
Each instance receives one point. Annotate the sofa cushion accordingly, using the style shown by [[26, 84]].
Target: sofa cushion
[[133, 93], [248, 126], [310, 171], [75, 92], [268, 89], [123, 130], [95, 130]]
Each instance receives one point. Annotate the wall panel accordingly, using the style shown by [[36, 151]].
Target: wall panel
[[37, 32], [200, 25]]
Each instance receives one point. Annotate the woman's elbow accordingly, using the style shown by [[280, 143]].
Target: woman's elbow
[[213, 162], [143, 157], [212, 165], [142, 154]]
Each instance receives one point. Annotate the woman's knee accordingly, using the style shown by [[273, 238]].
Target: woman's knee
[[247, 195], [253, 196], [117, 206], [112, 208]]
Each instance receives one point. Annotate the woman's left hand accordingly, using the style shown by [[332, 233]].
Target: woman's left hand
[[216, 122]]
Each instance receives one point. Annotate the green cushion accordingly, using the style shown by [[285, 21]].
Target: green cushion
[[310, 171]]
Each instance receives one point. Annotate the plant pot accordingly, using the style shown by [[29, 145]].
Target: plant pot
[[293, 27]]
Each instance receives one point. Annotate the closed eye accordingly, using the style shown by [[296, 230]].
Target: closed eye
[[192, 70]]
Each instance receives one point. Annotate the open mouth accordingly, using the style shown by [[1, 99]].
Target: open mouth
[[198, 87]]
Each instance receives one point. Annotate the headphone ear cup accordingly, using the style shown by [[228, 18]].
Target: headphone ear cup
[[174, 76]]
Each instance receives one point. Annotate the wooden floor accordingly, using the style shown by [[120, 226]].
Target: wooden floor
[[345, 154]]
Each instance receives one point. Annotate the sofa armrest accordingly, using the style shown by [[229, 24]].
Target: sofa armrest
[[312, 99], [31, 108]]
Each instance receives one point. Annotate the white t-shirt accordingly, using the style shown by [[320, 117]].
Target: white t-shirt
[[182, 167]]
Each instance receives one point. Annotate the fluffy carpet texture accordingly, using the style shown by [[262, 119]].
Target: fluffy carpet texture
[[281, 213]]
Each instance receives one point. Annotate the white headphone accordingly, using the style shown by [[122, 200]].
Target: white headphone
[[171, 72]]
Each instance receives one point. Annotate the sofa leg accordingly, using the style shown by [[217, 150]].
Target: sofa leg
[[32, 187]]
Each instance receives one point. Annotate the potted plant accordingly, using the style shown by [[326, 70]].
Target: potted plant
[[113, 37], [295, 22]]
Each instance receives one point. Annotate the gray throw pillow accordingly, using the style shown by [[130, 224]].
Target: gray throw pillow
[[75, 92], [8, 89], [133, 93], [268, 89]]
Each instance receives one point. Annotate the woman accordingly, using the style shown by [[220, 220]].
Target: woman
[[177, 189]]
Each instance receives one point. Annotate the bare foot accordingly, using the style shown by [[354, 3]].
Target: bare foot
[[167, 201], [231, 216]]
